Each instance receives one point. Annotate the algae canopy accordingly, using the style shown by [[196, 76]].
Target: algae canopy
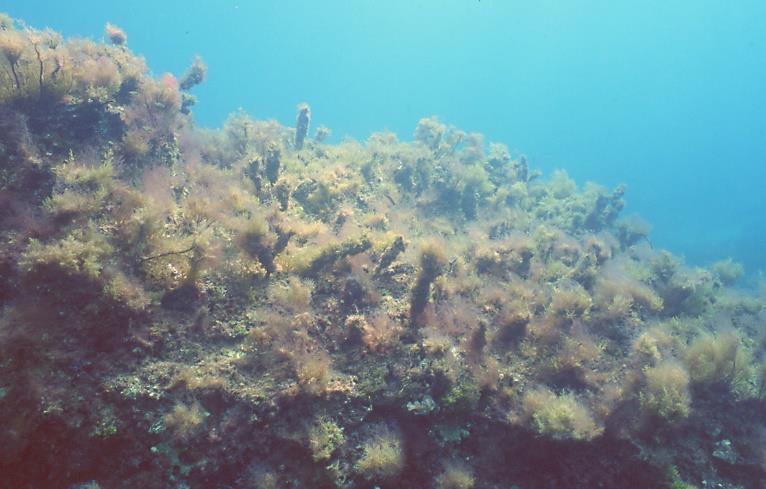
[[252, 307]]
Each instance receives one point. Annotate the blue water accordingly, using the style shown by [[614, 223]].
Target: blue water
[[665, 96]]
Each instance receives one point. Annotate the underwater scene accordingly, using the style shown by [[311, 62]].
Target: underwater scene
[[198, 295]]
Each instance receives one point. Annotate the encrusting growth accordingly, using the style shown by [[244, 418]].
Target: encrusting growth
[[194, 75], [115, 35], [302, 123], [432, 262], [182, 307]]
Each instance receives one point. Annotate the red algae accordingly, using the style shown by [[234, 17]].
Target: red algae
[[252, 307]]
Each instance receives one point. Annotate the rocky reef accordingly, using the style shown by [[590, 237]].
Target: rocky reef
[[251, 307]]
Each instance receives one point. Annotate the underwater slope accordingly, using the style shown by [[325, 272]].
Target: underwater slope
[[251, 307]]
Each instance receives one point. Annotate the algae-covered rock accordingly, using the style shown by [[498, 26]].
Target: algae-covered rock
[[253, 307]]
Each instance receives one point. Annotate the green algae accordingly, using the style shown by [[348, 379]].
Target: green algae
[[253, 307]]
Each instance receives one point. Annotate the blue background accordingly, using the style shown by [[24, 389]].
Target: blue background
[[665, 96]]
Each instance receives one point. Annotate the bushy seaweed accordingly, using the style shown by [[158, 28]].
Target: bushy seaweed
[[251, 307]]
